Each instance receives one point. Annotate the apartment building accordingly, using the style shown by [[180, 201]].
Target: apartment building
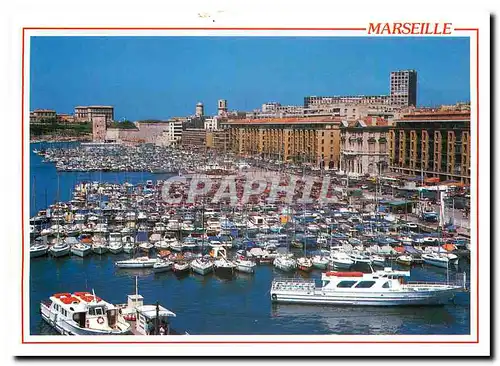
[[314, 140], [433, 144]]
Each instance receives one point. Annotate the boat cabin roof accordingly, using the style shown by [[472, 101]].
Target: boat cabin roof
[[149, 311]]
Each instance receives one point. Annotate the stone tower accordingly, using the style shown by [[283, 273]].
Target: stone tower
[[98, 128]]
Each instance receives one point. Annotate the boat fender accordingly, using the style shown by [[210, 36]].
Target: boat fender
[[100, 320], [274, 297]]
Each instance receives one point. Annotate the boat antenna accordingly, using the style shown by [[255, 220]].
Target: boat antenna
[[136, 288], [95, 298]]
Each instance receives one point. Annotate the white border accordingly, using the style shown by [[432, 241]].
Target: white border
[[234, 18]]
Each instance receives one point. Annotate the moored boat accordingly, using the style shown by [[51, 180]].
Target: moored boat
[[81, 313], [440, 260], [163, 265], [140, 262], [181, 268], [202, 266], [38, 250], [285, 263], [381, 288], [305, 264], [59, 249], [320, 262], [245, 265], [81, 249]]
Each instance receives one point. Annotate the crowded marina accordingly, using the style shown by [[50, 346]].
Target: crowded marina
[[368, 227]]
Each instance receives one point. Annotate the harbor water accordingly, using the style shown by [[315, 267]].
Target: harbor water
[[210, 304]]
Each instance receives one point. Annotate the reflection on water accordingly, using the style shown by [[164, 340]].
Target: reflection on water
[[368, 320]]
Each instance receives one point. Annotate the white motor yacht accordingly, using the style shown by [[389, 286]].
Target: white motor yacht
[[82, 313], [100, 246], [406, 260], [176, 246], [285, 262], [340, 259], [202, 266], [320, 262], [443, 260], [38, 250], [245, 265], [222, 265], [59, 249], [305, 264], [129, 247], [115, 247], [163, 265], [140, 262], [81, 249], [377, 260], [381, 288]]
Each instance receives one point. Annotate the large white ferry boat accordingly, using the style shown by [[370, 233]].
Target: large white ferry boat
[[380, 288], [81, 313]]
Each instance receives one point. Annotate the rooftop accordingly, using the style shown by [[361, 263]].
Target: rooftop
[[94, 106], [286, 120], [435, 116]]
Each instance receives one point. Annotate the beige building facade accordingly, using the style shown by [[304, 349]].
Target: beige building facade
[[364, 146]]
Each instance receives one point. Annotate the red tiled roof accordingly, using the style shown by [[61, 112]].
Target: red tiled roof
[[375, 121]]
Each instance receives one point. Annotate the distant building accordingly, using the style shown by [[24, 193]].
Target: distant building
[[432, 143], [222, 107], [199, 110], [220, 140], [211, 123], [43, 115], [364, 146], [99, 128], [194, 138], [313, 140], [404, 88], [65, 118], [174, 131], [86, 113]]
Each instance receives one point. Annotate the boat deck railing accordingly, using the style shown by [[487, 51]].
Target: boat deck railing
[[293, 285]]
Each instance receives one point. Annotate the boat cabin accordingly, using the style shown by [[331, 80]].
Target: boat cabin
[[82, 312], [153, 320]]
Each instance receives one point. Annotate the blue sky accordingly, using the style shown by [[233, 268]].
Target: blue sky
[[161, 77]]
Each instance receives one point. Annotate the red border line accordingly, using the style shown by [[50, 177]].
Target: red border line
[[22, 189], [191, 28], [243, 342]]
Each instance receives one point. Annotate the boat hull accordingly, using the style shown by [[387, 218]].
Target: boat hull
[[135, 265], [367, 299], [202, 270], [224, 271], [81, 252], [341, 265], [116, 250], [59, 253], [65, 328], [38, 253], [100, 250], [245, 268], [162, 269], [440, 264]]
